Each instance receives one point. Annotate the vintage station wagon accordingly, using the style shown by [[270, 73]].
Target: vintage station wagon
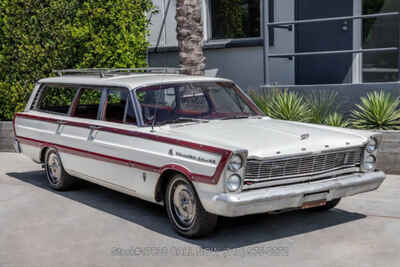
[[197, 145]]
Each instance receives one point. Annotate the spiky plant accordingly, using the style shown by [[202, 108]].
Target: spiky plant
[[289, 106], [322, 103], [260, 100], [263, 98], [379, 110], [335, 119]]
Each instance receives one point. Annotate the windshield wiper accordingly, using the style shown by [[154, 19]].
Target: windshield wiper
[[182, 120], [235, 117]]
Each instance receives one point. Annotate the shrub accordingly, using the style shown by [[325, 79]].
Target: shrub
[[322, 105], [263, 98], [335, 119], [379, 110], [286, 105], [39, 36]]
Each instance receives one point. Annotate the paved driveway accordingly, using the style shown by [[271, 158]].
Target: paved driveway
[[94, 226]]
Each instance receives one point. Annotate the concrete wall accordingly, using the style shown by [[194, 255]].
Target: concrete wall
[[389, 152], [6, 137], [244, 65]]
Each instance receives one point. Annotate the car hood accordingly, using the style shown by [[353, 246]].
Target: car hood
[[264, 137]]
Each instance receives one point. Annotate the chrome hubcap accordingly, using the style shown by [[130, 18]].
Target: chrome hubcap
[[184, 205], [53, 168]]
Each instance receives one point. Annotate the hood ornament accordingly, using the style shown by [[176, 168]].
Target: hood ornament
[[304, 136]]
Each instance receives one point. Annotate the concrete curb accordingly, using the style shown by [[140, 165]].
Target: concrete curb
[[389, 152], [6, 136]]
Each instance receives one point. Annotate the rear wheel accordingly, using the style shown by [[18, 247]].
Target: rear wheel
[[185, 211], [329, 205], [57, 177]]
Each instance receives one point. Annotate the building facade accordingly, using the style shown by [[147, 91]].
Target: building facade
[[291, 43]]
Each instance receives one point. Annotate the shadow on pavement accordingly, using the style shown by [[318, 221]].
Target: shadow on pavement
[[230, 233]]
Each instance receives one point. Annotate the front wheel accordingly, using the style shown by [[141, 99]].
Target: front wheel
[[185, 211]]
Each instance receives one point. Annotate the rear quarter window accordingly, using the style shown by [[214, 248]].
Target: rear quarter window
[[57, 99]]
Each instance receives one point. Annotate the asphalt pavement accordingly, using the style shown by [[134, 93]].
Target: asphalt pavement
[[94, 226]]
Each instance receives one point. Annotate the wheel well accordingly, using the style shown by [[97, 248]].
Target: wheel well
[[163, 183], [43, 154]]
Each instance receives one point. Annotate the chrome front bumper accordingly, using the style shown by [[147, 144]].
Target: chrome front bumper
[[291, 196]]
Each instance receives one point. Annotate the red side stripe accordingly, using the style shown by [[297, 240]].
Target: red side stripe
[[225, 154]]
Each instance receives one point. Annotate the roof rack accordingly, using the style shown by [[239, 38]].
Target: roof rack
[[103, 72]]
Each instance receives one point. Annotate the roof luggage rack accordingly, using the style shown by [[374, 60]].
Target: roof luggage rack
[[103, 72]]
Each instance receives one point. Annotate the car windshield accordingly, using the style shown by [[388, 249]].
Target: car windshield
[[193, 102]]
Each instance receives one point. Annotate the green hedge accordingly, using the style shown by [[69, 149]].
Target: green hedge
[[39, 36]]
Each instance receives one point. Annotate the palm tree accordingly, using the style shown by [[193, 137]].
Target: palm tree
[[189, 30]]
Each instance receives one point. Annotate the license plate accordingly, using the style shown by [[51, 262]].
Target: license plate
[[313, 204]]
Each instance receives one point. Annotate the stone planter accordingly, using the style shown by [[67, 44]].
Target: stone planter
[[389, 152], [6, 136]]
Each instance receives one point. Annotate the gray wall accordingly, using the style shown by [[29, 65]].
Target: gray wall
[[168, 35], [6, 136], [244, 65]]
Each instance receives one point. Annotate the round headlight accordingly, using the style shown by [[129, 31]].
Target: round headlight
[[370, 163], [372, 145], [236, 163], [233, 183]]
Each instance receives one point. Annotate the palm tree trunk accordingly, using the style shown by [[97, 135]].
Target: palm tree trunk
[[189, 30]]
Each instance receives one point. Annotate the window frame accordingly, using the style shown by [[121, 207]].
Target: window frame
[[75, 101], [139, 113], [41, 93], [208, 32], [129, 99], [100, 110]]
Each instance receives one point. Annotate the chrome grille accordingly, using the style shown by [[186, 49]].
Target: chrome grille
[[306, 165]]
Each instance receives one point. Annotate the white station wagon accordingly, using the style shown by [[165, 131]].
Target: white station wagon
[[197, 145]]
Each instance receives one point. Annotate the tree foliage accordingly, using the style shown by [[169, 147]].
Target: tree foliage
[[37, 37]]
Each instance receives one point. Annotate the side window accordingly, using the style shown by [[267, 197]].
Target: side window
[[57, 99], [227, 100], [193, 101], [115, 105], [88, 104], [157, 101]]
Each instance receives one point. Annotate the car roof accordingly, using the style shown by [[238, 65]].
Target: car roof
[[130, 81]]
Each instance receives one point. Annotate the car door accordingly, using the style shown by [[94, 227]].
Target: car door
[[43, 124], [76, 130], [111, 148]]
